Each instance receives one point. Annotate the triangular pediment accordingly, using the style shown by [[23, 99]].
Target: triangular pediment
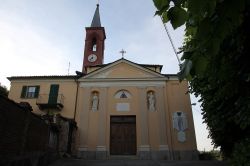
[[124, 69]]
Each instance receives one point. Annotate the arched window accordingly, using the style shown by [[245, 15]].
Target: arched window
[[122, 94], [94, 46]]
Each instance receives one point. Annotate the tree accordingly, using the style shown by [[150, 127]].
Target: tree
[[4, 91], [215, 55]]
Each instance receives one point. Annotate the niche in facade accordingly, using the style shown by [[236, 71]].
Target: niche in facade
[[94, 100]]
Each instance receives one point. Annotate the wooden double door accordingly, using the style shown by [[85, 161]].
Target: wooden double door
[[122, 135]]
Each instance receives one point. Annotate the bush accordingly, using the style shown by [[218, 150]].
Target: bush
[[4, 91], [211, 155]]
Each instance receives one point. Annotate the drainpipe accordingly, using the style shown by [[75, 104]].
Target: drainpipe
[[76, 98], [79, 75]]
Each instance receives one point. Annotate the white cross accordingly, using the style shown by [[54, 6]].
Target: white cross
[[122, 52]]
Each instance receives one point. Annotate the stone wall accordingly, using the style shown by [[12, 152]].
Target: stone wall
[[24, 135]]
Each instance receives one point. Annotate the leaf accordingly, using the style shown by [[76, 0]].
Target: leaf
[[186, 55], [178, 2], [165, 17], [191, 30], [158, 13], [200, 65], [213, 46], [196, 6], [204, 29], [157, 4], [185, 70], [211, 7], [177, 16], [160, 4]]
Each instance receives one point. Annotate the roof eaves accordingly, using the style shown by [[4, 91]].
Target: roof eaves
[[42, 77]]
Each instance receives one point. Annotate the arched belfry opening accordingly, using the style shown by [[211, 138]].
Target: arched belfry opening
[[94, 45]]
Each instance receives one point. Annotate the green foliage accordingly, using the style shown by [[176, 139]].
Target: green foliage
[[217, 45], [161, 4], [241, 154], [4, 91], [176, 15]]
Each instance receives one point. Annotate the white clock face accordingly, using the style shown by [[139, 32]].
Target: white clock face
[[92, 58]]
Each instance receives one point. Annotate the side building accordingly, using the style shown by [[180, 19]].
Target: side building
[[46, 94]]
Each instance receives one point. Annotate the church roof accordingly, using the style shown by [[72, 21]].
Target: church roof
[[77, 76], [96, 22], [142, 65], [42, 77]]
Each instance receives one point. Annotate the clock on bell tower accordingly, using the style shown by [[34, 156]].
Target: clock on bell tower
[[94, 42]]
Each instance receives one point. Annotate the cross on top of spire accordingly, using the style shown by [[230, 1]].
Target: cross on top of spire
[[122, 52]]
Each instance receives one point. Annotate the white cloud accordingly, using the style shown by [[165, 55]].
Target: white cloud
[[26, 50]]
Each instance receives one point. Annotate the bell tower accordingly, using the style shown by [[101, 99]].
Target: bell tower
[[94, 42]]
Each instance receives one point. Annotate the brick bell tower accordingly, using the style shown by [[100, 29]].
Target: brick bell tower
[[94, 43]]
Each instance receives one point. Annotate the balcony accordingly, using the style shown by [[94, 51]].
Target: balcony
[[46, 101]]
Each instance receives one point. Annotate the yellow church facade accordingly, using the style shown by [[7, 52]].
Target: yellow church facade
[[121, 108], [123, 89]]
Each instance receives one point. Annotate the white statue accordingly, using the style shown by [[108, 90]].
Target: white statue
[[151, 101], [180, 124], [95, 101]]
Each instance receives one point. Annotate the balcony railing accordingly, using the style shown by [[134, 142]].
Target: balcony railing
[[47, 101]]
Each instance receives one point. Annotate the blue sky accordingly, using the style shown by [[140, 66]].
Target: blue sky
[[41, 37]]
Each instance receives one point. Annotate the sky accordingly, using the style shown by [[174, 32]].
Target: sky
[[46, 37]]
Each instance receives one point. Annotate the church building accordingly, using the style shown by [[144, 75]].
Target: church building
[[121, 108]]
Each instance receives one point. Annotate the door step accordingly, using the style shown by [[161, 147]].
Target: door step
[[123, 157]]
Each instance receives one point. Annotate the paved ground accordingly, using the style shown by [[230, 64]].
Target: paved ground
[[80, 162]]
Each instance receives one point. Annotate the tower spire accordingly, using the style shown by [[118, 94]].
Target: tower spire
[[96, 22], [94, 43]]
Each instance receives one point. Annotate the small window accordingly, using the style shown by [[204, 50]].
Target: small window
[[30, 91]]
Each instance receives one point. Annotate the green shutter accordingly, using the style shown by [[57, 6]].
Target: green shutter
[[37, 91], [23, 91], [53, 94]]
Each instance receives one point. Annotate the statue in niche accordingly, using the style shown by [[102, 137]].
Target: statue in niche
[[95, 101], [180, 124], [151, 101]]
